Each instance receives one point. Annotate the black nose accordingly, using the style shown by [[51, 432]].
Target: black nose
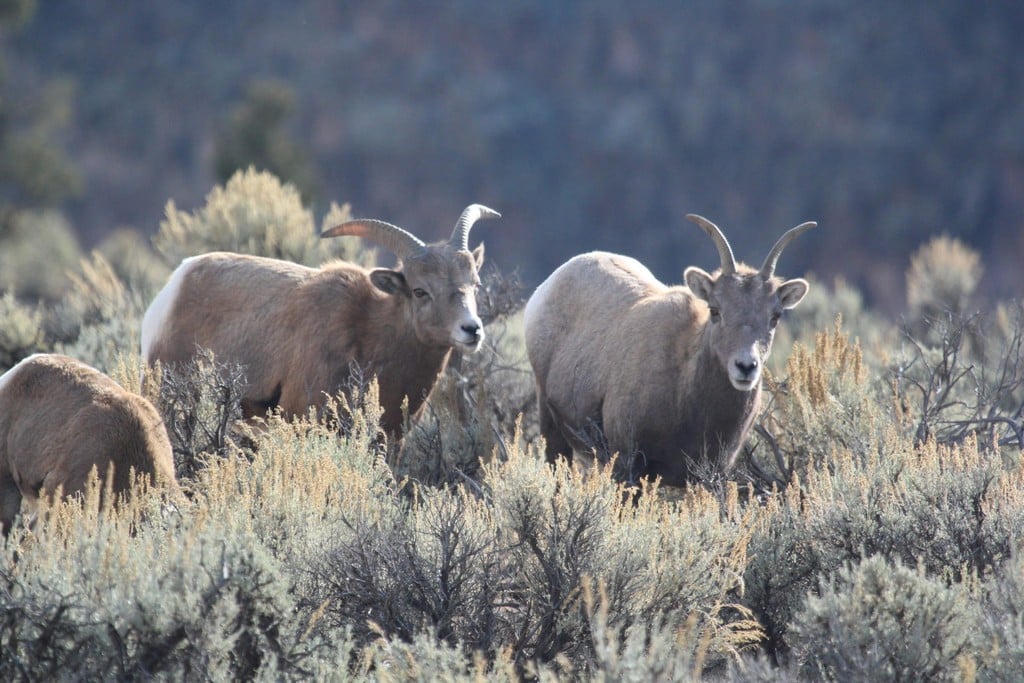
[[746, 368], [472, 329]]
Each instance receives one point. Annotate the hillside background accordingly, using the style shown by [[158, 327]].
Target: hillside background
[[590, 125]]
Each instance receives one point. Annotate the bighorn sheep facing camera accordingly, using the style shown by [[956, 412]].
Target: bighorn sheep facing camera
[[668, 374], [59, 419], [298, 331]]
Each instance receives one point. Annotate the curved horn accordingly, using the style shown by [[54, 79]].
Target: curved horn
[[724, 250], [400, 242], [768, 269], [471, 214]]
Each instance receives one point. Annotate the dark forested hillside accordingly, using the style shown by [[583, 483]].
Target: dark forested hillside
[[588, 124]]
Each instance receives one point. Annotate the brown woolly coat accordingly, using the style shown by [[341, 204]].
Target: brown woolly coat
[[629, 365], [298, 332], [60, 419]]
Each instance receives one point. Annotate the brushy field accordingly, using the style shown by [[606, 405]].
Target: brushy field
[[872, 531]]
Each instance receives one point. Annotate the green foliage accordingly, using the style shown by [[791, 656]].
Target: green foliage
[[37, 249], [134, 262], [510, 570], [878, 621], [819, 311], [253, 137], [941, 279], [1001, 623], [105, 598], [21, 333], [34, 171], [98, 321], [827, 402], [253, 213], [951, 510], [16, 13]]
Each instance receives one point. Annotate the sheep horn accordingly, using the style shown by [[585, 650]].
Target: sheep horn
[[768, 269], [472, 213], [401, 243], [724, 250]]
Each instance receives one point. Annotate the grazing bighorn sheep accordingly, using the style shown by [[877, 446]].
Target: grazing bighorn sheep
[[670, 375], [299, 332], [59, 419]]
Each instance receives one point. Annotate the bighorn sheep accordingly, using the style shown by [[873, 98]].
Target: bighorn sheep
[[668, 374], [59, 419], [299, 332]]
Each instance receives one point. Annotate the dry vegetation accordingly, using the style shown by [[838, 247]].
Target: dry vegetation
[[872, 531]]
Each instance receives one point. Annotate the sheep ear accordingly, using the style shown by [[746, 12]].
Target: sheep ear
[[792, 292], [478, 256], [389, 281], [699, 282]]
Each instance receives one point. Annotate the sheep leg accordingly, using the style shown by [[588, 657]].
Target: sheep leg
[[556, 445], [10, 501]]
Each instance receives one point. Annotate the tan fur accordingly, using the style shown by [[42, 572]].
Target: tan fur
[[60, 418], [298, 331], [618, 354]]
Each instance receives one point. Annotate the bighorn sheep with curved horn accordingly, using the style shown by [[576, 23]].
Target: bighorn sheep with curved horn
[[59, 419], [668, 374], [299, 331]]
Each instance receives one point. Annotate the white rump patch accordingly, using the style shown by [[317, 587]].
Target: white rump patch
[[155, 319], [538, 301]]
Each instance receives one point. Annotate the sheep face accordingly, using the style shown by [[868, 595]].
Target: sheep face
[[440, 286], [743, 310]]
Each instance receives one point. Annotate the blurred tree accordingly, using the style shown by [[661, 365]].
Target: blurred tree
[[255, 136], [16, 13], [34, 171], [36, 242]]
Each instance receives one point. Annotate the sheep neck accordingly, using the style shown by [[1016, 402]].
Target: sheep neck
[[724, 413], [405, 367]]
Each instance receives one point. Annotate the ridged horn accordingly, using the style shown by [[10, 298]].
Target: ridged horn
[[471, 214], [401, 243], [724, 250], [768, 269]]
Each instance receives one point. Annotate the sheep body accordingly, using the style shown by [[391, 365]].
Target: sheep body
[[299, 332], [60, 419], [626, 364]]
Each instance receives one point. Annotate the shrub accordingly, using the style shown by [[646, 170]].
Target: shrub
[[21, 331], [134, 262], [818, 311], [1001, 623], [941, 279], [100, 597], [827, 402], [98, 320], [956, 388], [36, 252], [253, 213], [253, 136], [881, 621], [505, 568], [952, 510], [200, 404]]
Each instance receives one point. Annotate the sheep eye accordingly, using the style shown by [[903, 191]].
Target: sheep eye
[[715, 315], [774, 320], [419, 293]]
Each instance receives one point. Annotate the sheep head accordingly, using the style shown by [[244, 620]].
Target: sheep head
[[744, 305], [438, 281]]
